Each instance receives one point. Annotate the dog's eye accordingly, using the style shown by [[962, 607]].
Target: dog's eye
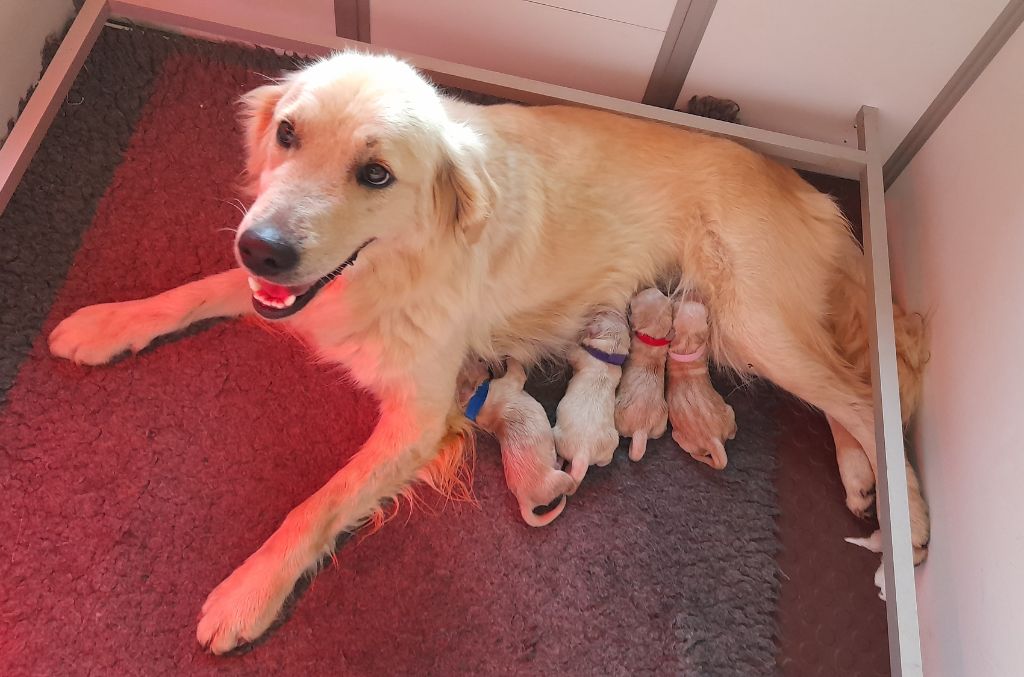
[[286, 137], [375, 175]]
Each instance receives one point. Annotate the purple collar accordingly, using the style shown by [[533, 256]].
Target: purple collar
[[610, 358]]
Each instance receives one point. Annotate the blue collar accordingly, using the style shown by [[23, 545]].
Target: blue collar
[[476, 402], [611, 358]]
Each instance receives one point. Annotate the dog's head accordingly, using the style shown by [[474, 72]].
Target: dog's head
[[353, 153]]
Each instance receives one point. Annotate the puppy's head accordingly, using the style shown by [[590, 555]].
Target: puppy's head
[[474, 372], [607, 331], [353, 156], [650, 312], [690, 326]]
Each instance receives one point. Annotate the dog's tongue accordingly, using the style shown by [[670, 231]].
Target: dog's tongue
[[274, 291]]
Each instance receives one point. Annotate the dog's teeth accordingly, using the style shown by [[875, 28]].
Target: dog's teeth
[[253, 284], [289, 301]]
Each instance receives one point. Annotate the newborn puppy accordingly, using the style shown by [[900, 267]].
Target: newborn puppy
[[585, 431], [701, 420], [527, 447], [641, 411]]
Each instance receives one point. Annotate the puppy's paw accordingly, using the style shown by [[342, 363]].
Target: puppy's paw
[[97, 334], [243, 606]]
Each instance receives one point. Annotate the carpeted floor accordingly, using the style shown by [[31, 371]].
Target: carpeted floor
[[130, 491]]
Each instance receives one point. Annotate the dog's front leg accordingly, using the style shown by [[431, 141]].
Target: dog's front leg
[[406, 438], [97, 334]]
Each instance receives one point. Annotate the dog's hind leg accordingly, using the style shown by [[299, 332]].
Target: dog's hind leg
[[855, 471], [407, 437], [803, 360], [98, 334]]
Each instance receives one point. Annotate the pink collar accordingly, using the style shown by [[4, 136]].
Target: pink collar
[[688, 357]]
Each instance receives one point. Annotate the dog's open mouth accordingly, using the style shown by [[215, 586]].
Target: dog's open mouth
[[276, 301]]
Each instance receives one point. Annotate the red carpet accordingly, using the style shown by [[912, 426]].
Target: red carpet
[[131, 490]]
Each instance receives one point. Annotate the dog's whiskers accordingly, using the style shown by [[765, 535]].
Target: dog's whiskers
[[237, 204]]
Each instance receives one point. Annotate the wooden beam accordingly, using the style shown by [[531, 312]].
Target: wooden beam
[[682, 38], [893, 504], [352, 19], [1005, 25], [31, 126]]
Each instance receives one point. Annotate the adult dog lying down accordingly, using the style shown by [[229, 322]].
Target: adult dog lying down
[[396, 231]]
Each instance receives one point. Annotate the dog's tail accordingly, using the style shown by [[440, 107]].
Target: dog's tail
[[450, 473], [850, 326], [638, 445]]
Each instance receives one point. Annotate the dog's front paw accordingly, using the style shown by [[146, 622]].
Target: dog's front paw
[[97, 334], [243, 606]]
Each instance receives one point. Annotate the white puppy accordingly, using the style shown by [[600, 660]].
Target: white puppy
[[701, 420], [527, 446], [641, 411], [585, 431]]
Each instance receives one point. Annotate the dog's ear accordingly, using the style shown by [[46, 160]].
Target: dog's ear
[[257, 115], [463, 191]]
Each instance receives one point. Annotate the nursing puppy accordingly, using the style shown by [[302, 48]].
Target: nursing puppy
[[701, 420], [396, 231], [519, 423], [585, 433], [641, 411]]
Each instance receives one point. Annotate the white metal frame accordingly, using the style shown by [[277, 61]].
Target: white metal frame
[[864, 163]]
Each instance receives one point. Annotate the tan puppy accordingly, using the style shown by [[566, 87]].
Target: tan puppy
[[641, 411], [527, 446], [701, 420], [585, 431]]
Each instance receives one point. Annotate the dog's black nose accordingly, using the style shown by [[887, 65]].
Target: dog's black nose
[[266, 251]]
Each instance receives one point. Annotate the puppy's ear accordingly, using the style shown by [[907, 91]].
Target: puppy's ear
[[257, 115], [463, 191]]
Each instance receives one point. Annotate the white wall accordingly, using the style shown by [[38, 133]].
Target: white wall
[[956, 220], [24, 26], [599, 46], [798, 66], [806, 66]]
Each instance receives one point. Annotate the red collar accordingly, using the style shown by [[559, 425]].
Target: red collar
[[651, 341]]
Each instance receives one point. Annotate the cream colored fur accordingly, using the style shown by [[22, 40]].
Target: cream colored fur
[[506, 228], [585, 432], [641, 411], [701, 420], [532, 470]]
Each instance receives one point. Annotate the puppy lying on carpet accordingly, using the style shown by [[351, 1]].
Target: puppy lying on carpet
[[641, 411], [585, 432], [518, 422], [397, 231], [701, 420]]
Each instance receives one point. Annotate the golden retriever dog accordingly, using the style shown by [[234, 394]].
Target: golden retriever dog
[[397, 231]]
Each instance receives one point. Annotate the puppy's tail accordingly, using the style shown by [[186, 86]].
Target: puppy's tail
[[535, 520], [578, 468], [638, 445], [850, 327]]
